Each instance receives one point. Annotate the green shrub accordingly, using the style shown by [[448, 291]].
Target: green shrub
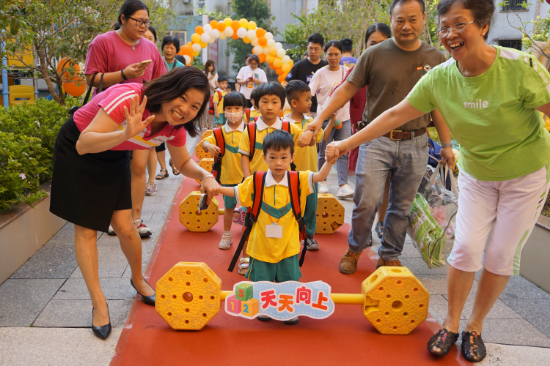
[[22, 162]]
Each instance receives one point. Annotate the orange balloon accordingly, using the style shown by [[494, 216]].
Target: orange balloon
[[62, 68], [246, 40], [199, 29], [187, 50], [213, 24], [262, 41], [272, 66], [235, 36], [235, 25], [279, 71], [75, 88], [260, 32], [221, 26], [269, 59], [281, 78], [262, 58]]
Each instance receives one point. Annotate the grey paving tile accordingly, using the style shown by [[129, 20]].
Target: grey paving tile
[[57, 261], [517, 332], [65, 236], [410, 251], [521, 288], [435, 284], [499, 311], [419, 267], [107, 240], [22, 300], [438, 308], [78, 313], [535, 311], [106, 269], [113, 289], [110, 253]]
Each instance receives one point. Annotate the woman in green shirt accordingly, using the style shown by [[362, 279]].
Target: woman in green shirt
[[491, 98], [170, 48]]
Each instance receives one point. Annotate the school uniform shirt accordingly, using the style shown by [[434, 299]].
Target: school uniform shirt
[[216, 99], [305, 158], [276, 207], [257, 162], [323, 84], [232, 170], [304, 70], [113, 101], [253, 114]]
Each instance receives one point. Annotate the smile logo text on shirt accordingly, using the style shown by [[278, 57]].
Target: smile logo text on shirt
[[478, 104]]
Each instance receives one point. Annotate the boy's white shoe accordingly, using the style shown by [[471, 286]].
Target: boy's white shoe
[[226, 241], [345, 191], [323, 187]]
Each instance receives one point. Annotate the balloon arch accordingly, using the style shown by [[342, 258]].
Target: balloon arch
[[264, 45]]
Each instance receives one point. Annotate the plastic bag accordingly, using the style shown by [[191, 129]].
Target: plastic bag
[[433, 213]]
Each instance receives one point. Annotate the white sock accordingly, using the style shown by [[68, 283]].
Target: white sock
[[227, 232]]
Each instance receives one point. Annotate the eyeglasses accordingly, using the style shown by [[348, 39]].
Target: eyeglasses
[[314, 49], [457, 28], [141, 23]]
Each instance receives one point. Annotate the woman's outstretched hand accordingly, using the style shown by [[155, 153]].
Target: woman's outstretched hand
[[134, 123], [306, 138], [335, 150], [211, 188]]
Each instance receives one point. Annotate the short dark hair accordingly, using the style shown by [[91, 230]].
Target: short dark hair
[[253, 94], [316, 38], [233, 99], [482, 10], [378, 27], [181, 59], [170, 40], [173, 85], [395, 2], [270, 89], [129, 8], [347, 45], [154, 31], [222, 78], [336, 44], [278, 140], [295, 88], [253, 58]]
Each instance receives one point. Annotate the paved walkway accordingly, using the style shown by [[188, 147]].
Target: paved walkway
[[45, 311]]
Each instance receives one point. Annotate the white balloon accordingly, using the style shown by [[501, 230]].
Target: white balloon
[[251, 34], [278, 45], [215, 33], [196, 47], [254, 42], [271, 43], [281, 53], [207, 28], [241, 32], [228, 31], [223, 36], [257, 50], [187, 59], [268, 35], [205, 37], [286, 59], [266, 51]]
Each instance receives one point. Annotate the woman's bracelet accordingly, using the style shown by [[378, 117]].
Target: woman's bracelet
[[208, 176]]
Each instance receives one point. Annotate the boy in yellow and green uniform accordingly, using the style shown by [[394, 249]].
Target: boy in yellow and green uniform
[[219, 118]]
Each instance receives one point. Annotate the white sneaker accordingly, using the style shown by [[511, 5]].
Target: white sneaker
[[345, 192], [226, 241], [111, 231], [323, 187], [143, 230]]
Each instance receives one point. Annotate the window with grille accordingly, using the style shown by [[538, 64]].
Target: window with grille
[[511, 43], [514, 5]]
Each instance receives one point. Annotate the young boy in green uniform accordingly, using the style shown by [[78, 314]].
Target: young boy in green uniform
[[217, 100]]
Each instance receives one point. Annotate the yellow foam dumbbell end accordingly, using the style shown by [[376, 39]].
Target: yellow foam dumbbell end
[[206, 164], [206, 133], [396, 302], [330, 214], [200, 153], [194, 220], [188, 296]]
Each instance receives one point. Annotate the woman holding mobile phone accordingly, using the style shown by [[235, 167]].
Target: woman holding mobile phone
[[124, 55], [250, 77]]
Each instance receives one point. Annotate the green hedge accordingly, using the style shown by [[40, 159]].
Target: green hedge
[[27, 139]]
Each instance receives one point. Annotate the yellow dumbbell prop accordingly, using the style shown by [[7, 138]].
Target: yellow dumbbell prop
[[206, 164], [200, 153], [206, 133], [195, 220], [330, 214], [392, 298]]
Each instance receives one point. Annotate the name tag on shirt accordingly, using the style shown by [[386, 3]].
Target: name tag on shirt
[[274, 231]]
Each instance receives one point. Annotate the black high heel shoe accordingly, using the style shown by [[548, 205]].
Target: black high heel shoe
[[104, 331], [149, 300]]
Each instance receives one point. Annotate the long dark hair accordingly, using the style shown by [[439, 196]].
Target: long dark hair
[[173, 85], [378, 27], [129, 8], [207, 65]]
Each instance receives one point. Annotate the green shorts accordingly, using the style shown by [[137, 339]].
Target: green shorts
[[287, 269], [219, 121], [229, 202]]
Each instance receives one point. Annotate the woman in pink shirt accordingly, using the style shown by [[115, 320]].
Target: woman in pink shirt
[[91, 184], [117, 55]]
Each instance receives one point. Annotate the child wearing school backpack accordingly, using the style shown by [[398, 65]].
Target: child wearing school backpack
[[223, 144], [217, 101], [277, 198]]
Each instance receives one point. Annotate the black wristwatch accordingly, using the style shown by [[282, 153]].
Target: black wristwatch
[[123, 76]]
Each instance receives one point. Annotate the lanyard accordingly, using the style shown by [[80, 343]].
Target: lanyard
[[274, 201]]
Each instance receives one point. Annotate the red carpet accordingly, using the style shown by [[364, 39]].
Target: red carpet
[[345, 338]]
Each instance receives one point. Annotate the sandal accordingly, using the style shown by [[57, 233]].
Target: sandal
[[174, 170], [244, 263], [473, 347], [162, 175], [443, 340], [380, 229]]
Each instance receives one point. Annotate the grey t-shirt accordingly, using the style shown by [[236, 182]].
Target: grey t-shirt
[[390, 73]]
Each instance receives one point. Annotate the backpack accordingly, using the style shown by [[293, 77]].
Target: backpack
[[211, 106], [251, 127], [247, 114], [252, 213], [220, 142]]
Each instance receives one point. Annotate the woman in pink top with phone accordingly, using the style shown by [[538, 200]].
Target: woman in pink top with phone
[[124, 55]]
